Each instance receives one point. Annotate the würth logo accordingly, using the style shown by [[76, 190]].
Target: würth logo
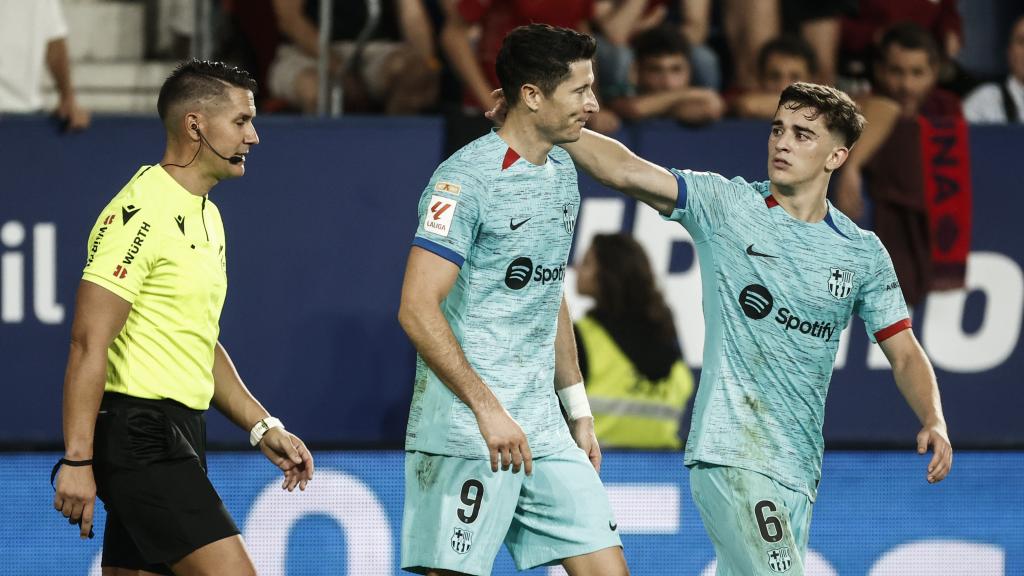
[[120, 271], [109, 219]]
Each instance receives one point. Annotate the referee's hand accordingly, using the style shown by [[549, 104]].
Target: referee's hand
[[76, 496], [288, 453]]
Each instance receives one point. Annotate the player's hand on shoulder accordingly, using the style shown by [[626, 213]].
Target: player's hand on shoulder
[[289, 453], [942, 451], [500, 110], [506, 441], [583, 433], [75, 496]]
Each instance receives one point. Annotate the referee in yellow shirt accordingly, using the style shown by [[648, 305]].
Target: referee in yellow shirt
[[145, 362]]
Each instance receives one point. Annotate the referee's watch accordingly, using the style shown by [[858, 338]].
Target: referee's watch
[[261, 428]]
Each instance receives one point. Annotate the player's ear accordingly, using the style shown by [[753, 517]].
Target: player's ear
[[531, 96], [837, 158]]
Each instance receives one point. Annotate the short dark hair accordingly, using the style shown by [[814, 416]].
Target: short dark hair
[[540, 54], [660, 41], [910, 36], [197, 80], [792, 46], [839, 110]]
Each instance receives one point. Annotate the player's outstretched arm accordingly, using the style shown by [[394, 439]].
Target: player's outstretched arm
[[569, 384], [284, 449], [99, 316], [428, 280], [616, 166], [612, 164], [916, 381]]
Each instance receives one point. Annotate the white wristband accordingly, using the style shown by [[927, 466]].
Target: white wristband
[[261, 428], [574, 399]]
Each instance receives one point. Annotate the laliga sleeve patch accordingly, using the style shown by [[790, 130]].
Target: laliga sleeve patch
[[440, 213]]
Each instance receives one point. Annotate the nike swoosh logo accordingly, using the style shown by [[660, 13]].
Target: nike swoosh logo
[[750, 252], [515, 226], [612, 526]]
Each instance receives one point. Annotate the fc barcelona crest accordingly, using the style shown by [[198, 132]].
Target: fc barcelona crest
[[462, 540], [840, 283], [779, 559], [569, 218]]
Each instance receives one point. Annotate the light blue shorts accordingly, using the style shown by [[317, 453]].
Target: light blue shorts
[[758, 526], [458, 512]]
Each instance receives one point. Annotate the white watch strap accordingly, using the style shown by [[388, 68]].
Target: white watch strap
[[261, 428]]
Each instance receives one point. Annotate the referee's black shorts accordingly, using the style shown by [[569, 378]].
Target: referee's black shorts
[[150, 467]]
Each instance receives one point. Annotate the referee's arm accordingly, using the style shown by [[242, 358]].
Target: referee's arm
[[233, 399], [99, 317]]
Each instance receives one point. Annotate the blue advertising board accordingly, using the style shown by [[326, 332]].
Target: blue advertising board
[[875, 516], [318, 232]]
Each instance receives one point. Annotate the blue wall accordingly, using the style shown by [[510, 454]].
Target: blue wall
[[875, 516], [319, 230]]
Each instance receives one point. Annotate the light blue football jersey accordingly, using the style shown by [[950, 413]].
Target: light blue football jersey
[[778, 291], [508, 225]]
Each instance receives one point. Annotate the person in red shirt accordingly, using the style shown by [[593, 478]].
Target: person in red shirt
[[860, 34]]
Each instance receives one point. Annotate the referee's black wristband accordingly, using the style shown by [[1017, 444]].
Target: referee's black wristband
[[67, 462]]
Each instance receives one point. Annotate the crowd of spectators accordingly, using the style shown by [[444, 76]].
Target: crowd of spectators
[[694, 61]]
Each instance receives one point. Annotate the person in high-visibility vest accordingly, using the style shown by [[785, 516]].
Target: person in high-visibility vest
[[637, 381]]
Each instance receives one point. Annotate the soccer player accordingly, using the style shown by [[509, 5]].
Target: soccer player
[[145, 362], [783, 272], [482, 302]]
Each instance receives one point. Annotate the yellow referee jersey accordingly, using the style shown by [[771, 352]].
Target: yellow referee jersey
[[161, 248]]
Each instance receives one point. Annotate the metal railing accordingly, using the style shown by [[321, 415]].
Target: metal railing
[[331, 95]]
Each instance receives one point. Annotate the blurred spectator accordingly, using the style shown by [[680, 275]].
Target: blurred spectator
[[33, 35], [496, 18], [783, 61], [907, 71], [749, 25], [818, 22], [619, 23], [920, 193], [1002, 102], [636, 379], [663, 82], [396, 72], [863, 32]]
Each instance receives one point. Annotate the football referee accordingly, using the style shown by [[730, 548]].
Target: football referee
[[145, 362]]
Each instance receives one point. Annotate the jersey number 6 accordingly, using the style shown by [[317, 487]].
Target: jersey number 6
[[472, 495], [769, 535]]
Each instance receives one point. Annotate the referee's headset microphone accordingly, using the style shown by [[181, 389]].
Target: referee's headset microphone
[[236, 159]]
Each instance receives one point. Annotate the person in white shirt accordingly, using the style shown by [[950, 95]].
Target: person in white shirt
[[1002, 102], [33, 36]]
